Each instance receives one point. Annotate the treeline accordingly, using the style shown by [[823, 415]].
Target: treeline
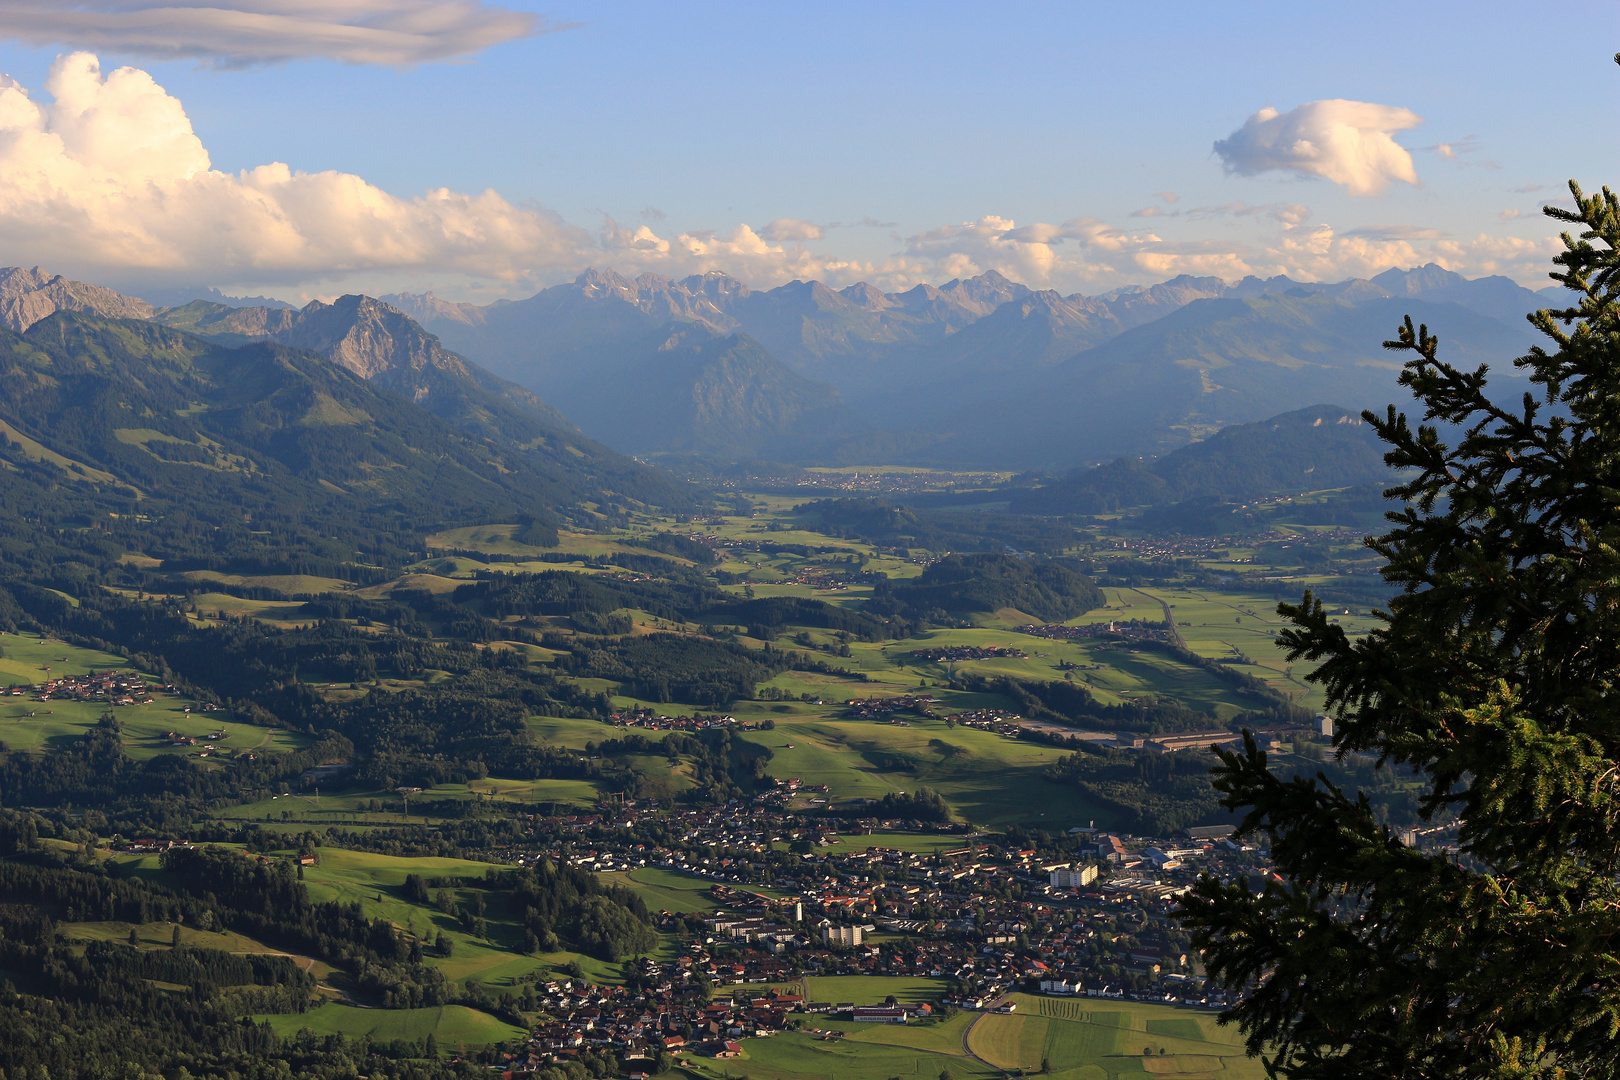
[[677, 667], [1310, 449], [677, 598], [560, 905], [924, 804], [417, 737], [471, 726], [110, 1009], [162, 792], [959, 585], [1073, 703], [886, 523], [1149, 794]]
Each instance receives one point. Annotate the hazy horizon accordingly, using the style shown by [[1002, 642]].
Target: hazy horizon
[[481, 150]]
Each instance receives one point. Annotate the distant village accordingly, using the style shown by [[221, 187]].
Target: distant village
[[1121, 629], [109, 687], [954, 653], [984, 918]]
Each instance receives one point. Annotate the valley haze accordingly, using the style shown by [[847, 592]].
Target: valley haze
[[853, 542]]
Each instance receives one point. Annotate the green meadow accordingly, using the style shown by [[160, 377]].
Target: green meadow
[[915, 843], [802, 1056], [310, 807], [26, 724], [987, 778], [453, 1027], [1082, 1039], [873, 989], [1243, 627], [666, 890]]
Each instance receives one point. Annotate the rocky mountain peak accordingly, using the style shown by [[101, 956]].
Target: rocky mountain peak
[[983, 293], [29, 295], [864, 295], [598, 284], [425, 307], [1418, 280], [367, 336], [721, 288]]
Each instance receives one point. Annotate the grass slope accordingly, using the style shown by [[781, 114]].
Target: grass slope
[[29, 658], [455, 1027]]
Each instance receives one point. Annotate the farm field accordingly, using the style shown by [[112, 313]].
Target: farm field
[[800, 1056], [454, 1027], [917, 843], [872, 989], [666, 890], [1086, 1037], [286, 583], [1114, 673], [1083, 1039], [501, 540], [28, 658], [1120, 1040], [382, 806], [1218, 624], [574, 734], [213, 606], [1010, 1042], [942, 1038], [985, 777], [375, 883]]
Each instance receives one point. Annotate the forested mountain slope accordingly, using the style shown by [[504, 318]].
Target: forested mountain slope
[[1315, 448], [175, 447], [1210, 364], [386, 347]]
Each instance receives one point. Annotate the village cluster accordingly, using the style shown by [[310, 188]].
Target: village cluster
[[108, 687], [947, 654], [804, 895], [1121, 629], [643, 717]]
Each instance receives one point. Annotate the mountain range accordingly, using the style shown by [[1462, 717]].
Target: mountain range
[[980, 372]]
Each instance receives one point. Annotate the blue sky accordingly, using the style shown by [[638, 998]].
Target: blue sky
[[1068, 145]]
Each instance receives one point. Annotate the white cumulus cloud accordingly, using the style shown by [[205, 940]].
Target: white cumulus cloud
[[1348, 142], [235, 33], [109, 176]]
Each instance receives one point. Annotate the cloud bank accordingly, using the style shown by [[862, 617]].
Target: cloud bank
[[237, 33], [107, 181], [110, 176], [1348, 142]]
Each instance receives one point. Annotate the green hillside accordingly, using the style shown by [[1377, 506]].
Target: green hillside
[[123, 436], [1306, 450]]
